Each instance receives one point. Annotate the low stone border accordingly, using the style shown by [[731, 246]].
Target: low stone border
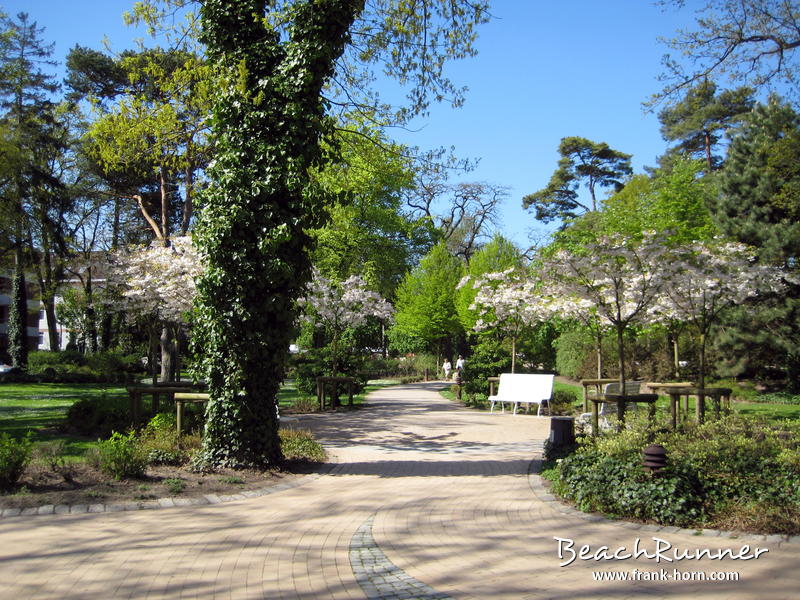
[[171, 502], [542, 493], [380, 578]]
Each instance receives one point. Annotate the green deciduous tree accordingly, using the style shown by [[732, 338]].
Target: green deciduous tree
[[596, 165], [426, 317], [272, 61], [750, 41]]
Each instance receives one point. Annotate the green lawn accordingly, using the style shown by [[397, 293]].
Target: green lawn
[[42, 408]]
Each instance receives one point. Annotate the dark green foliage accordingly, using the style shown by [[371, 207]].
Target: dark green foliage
[[161, 442], [619, 485], [121, 456], [98, 416], [253, 231], [701, 117], [18, 321], [317, 363], [489, 358], [759, 203], [71, 365], [563, 402], [713, 471], [582, 162], [14, 456], [574, 349]]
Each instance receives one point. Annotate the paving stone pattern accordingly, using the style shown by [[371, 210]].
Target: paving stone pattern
[[423, 499], [378, 577]]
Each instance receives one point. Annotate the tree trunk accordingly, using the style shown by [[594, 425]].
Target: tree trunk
[[91, 316], [621, 347], [18, 315], [167, 344], [598, 348], [152, 352], [513, 353], [162, 180]]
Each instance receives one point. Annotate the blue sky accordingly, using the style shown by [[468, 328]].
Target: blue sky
[[544, 70]]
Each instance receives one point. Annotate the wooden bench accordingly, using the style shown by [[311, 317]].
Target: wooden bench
[[182, 398], [166, 388], [517, 388]]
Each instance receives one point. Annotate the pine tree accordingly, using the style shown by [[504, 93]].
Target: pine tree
[[24, 95]]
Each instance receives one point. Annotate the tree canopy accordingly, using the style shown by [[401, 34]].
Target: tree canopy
[[594, 164]]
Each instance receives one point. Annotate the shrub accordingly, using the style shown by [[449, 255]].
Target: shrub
[[175, 485], [317, 363], [572, 350], [14, 456], [563, 402], [299, 444], [161, 443], [73, 366], [98, 416], [488, 359], [729, 472], [121, 456], [52, 455]]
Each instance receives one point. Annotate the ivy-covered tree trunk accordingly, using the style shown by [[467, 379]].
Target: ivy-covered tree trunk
[[269, 118], [18, 317]]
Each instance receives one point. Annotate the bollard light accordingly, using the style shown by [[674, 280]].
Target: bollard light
[[655, 458]]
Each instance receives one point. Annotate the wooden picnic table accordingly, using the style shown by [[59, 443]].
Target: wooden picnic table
[[597, 385], [721, 398], [169, 388], [335, 381], [617, 399], [666, 388]]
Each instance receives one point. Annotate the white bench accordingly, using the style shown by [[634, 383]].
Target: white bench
[[519, 389]]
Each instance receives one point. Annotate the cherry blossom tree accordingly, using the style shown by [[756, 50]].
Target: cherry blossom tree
[[618, 278], [337, 307], [155, 287], [706, 278], [509, 302]]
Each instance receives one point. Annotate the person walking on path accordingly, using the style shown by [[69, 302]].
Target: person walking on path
[[447, 367], [460, 362]]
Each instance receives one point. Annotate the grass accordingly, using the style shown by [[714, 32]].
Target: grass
[[775, 408], [40, 408]]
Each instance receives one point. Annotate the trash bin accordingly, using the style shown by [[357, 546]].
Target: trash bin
[[562, 431]]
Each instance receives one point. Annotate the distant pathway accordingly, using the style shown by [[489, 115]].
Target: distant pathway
[[425, 499]]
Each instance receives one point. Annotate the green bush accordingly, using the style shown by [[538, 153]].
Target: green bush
[[121, 456], [98, 416], [52, 454], [489, 358], [73, 366], [317, 363], [14, 456], [716, 475], [563, 402], [162, 445], [572, 350], [299, 444]]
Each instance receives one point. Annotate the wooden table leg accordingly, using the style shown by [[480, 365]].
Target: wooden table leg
[[674, 408], [595, 419], [179, 410], [701, 409]]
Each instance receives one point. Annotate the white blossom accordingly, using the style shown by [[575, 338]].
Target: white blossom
[[156, 281], [339, 306]]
